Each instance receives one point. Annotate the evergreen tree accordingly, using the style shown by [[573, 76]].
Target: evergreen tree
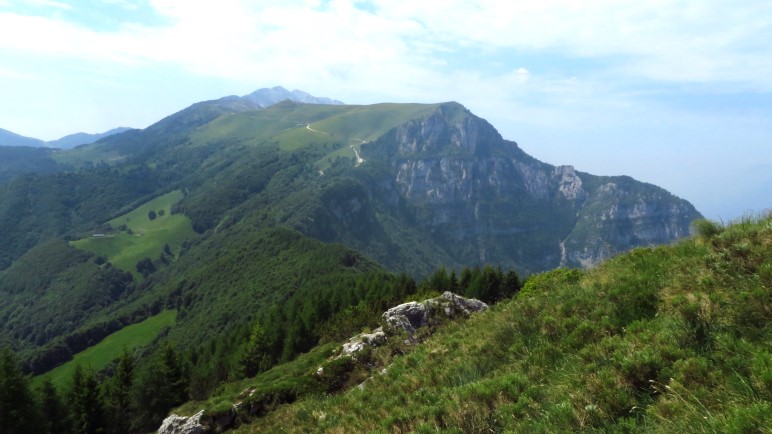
[[161, 385], [511, 284], [257, 358], [454, 285], [490, 283], [119, 401], [439, 282], [465, 281], [86, 402], [18, 413], [55, 418]]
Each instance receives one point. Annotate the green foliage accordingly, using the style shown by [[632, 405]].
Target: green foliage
[[161, 385], [86, 402], [54, 290], [257, 357], [487, 284], [37, 208], [658, 340], [118, 395], [55, 417], [18, 412], [145, 267], [706, 228], [19, 160]]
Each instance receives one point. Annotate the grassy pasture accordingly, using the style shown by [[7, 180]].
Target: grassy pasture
[[102, 354], [147, 237]]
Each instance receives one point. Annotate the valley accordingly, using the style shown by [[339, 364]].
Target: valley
[[230, 240]]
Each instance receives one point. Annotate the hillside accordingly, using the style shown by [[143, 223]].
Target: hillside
[[8, 138], [668, 339], [287, 226], [77, 139], [413, 186]]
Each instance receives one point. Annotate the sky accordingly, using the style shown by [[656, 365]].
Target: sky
[[676, 93]]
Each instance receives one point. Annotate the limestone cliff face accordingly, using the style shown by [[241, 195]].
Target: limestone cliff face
[[484, 200], [623, 213]]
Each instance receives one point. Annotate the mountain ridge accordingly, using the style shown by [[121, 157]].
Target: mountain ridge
[[11, 139], [285, 219]]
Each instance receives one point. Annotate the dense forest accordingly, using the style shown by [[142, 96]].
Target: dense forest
[[135, 392]]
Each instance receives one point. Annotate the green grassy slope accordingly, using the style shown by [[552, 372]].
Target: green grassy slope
[[147, 237], [668, 339], [295, 126], [99, 356]]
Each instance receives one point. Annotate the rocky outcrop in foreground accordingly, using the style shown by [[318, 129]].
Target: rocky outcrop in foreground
[[183, 425], [402, 320], [408, 317]]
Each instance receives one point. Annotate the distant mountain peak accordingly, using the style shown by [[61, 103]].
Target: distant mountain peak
[[77, 139], [269, 96], [9, 138]]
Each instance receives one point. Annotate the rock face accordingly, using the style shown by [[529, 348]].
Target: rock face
[[483, 200], [183, 425]]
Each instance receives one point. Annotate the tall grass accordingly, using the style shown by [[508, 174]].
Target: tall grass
[[670, 339]]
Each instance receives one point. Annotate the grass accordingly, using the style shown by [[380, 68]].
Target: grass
[[338, 126], [146, 238], [110, 348], [668, 339]]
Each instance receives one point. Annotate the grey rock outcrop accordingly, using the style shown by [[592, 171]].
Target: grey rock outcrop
[[408, 317], [175, 424], [360, 341], [413, 315]]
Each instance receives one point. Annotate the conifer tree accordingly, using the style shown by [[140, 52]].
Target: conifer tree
[[18, 413], [257, 358], [161, 385], [55, 418], [119, 401], [86, 402]]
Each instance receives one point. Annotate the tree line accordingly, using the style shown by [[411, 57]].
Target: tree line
[[137, 391]]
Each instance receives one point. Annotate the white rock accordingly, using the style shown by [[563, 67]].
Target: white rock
[[175, 424]]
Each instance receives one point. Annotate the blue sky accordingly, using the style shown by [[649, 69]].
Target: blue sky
[[675, 93]]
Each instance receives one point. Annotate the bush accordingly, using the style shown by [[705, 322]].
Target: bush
[[707, 229]]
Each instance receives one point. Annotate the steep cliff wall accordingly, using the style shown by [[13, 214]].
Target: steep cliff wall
[[483, 199]]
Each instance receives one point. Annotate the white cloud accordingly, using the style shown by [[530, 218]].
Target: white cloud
[[701, 42], [50, 3]]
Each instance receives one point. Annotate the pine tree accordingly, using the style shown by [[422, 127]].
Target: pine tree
[[511, 284], [18, 413], [454, 285], [55, 418], [86, 401], [257, 358], [159, 387], [119, 401]]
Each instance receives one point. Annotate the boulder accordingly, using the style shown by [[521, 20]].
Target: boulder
[[409, 317], [413, 315], [358, 342], [175, 424]]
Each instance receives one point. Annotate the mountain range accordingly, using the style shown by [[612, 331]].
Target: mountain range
[[8, 138], [260, 98], [291, 217]]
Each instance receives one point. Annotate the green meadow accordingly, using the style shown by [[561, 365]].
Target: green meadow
[[142, 237], [102, 354]]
